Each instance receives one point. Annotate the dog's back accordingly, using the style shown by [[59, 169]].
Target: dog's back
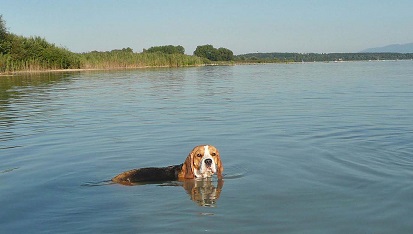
[[148, 174]]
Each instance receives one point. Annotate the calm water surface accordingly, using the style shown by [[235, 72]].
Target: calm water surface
[[307, 148]]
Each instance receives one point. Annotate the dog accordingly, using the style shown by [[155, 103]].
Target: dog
[[202, 162]]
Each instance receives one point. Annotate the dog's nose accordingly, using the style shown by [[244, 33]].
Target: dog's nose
[[208, 161]]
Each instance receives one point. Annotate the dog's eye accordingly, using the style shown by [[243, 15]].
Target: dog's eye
[[213, 154], [199, 155]]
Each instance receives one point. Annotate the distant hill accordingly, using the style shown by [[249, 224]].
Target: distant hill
[[395, 48]]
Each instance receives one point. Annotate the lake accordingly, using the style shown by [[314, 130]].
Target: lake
[[307, 148]]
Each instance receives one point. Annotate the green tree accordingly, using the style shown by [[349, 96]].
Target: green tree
[[213, 54], [3, 29], [168, 49], [124, 50], [127, 50], [225, 54], [3, 35], [206, 51]]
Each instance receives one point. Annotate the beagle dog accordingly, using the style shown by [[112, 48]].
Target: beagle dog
[[202, 162]]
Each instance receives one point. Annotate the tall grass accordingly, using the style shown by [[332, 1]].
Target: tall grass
[[63, 59], [121, 59]]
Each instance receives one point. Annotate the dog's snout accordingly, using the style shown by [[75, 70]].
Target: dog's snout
[[208, 161]]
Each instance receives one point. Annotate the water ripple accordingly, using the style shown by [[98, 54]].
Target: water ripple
[[311, 147]]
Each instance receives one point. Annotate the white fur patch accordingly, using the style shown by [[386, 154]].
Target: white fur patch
[[205, 171]]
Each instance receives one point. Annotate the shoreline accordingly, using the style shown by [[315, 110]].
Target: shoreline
[[46, 71], [14, 73]]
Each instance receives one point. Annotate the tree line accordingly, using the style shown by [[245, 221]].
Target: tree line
[[202, 51], [167, 49], [18, 53]]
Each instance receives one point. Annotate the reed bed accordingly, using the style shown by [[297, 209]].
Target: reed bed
[[98, 60], [109, 60]]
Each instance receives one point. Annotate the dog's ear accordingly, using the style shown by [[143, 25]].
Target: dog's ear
[[187, 167], [220, 167]]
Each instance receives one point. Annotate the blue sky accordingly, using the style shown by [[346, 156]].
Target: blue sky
[[320, 26]]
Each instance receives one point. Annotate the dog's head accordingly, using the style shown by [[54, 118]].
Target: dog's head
[[202, 162]]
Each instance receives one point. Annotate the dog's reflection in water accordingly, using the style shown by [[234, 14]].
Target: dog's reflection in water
[[204, 192]]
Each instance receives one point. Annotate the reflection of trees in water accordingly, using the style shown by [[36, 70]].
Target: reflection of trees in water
[[22, 85], [21, 95]]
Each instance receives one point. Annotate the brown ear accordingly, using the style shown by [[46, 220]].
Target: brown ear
[[220, 167], [187, 167]]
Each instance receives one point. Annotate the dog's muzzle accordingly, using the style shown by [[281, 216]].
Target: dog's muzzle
[[208, 162]]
